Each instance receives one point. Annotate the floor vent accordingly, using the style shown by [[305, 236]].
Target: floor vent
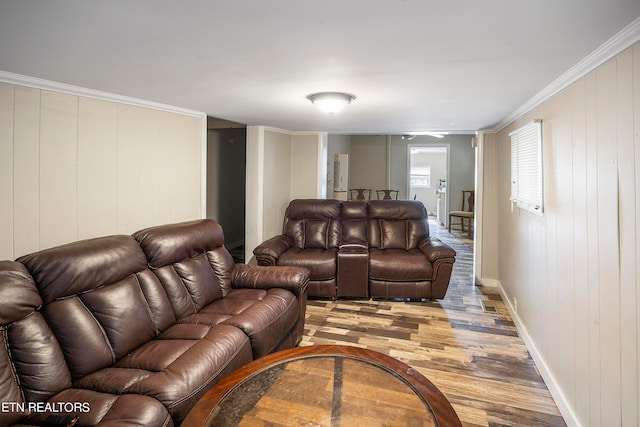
[[488, 308]]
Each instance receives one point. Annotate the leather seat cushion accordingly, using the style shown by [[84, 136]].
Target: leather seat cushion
[[399, 265], [264, 315], [320, 263], [177, 367], [111, 409]]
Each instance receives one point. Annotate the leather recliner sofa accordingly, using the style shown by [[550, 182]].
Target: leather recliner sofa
[[370, 249], [133, 330]]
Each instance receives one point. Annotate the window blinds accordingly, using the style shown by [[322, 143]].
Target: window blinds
[[526, 167]]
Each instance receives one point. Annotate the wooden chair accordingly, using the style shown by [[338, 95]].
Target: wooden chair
[[360, 194], [467, 212], [387, 194]]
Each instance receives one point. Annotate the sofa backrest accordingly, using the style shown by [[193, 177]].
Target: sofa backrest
[[191, 262], [313, 223], [397, 224], [95, 294], [354, 221], [32, 366]]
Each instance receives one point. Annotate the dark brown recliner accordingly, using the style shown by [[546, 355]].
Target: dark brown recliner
[[267, 305], [404, 261], [34, 370], [310, 238], [139, 327], [382, 247]]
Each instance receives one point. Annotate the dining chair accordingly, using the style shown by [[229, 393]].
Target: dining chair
[[387, 194], [466, 214], [360, 194]]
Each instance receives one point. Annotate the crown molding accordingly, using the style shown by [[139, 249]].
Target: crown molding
[[621, 41], [34, 82]]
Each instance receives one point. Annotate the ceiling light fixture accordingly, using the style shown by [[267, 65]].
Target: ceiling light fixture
[[412, 135], [331, 102]]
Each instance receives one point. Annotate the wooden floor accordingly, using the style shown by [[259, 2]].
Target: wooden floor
[[466, 344]]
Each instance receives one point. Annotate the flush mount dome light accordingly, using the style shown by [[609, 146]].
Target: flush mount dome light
[[331, 102]]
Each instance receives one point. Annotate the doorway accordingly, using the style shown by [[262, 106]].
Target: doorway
[[428, 174], [226, 177]]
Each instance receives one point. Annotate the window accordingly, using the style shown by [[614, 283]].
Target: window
[[526, 167], [421, 176]]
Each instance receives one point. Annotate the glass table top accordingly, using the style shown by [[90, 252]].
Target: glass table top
[[323, 390]]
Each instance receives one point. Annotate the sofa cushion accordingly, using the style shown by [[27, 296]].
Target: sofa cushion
[[105, 409], [177, 367], [93, 299], [320, 263], [272, 317], [397, 224], [97, 328], [398, 265], [314, 224], [354, 221], [17, 292], [191, 262], [266, 316], [32, 366], [81, 266], [393, 234]]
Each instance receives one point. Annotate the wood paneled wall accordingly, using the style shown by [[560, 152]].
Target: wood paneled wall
[[281, 165], [572, 275], [74, 167]]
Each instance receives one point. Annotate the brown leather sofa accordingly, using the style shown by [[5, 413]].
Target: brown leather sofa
[[133, 330], [372, 249]]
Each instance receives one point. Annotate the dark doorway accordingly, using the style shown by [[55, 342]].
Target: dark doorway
[[226, 171]]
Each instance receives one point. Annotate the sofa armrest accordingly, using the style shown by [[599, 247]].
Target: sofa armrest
[[292, 278], [353, 247], [434, 249], [442, 257], [268, 252]]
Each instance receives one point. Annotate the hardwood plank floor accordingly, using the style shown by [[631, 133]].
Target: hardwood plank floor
[[466, 344]]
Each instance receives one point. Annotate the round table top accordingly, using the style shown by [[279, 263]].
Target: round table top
[[324, 385]]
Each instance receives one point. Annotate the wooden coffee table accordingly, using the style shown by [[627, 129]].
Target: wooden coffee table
[[324, 385]]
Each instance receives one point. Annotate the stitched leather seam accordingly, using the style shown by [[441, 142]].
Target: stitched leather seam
[[135, 275], [206, 383], [193, 303], [104, 333], [406, 236], [14, 374]]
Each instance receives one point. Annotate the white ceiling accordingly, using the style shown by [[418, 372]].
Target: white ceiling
[[414, 65]]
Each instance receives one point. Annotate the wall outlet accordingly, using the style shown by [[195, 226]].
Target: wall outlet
[[515, 304]]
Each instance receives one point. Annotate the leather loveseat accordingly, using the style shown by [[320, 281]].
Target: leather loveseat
[[371, 249], [133, 330]]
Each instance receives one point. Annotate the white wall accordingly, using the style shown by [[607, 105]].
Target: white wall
[[574, 271], [337, 144], [74, 167], [308, 166], [368, 162], [281, 166]]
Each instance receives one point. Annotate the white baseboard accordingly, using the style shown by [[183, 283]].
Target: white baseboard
[[491, 283], [556, 392]]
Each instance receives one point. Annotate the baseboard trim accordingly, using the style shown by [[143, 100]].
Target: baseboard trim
[[556, 392], [491, 283]]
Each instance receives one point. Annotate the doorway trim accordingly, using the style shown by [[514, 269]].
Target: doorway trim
[[445, 145]]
